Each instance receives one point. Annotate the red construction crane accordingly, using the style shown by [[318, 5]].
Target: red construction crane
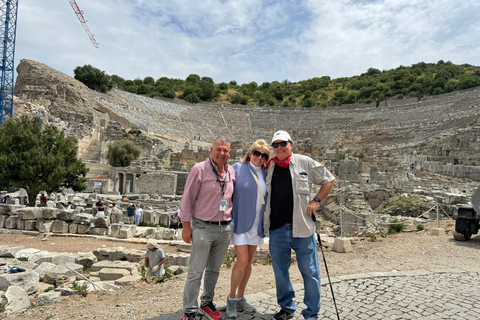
[[80, 17]]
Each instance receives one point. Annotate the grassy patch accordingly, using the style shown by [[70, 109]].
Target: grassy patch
[[402, 203], [371, 236], [167, 275], [82, 289], [420, 227], [228, 261], [395, 226], [266, 262]]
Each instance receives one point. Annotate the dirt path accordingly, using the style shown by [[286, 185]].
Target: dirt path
[[405, 251]]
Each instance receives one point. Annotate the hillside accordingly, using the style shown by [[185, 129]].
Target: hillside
[[442, 128]]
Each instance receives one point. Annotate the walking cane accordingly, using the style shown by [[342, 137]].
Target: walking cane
[[326, 268]]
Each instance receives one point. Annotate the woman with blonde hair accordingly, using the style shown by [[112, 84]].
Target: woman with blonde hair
[[249, 198]]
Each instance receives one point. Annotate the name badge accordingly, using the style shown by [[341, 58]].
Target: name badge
[[223, 205]]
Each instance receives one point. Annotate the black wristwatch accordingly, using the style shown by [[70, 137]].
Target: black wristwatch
[[317, 199]]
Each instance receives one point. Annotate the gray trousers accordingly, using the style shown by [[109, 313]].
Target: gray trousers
[[209, 246]]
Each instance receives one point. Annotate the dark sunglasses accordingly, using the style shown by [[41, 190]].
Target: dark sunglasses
[[283, 144], [258, 154]]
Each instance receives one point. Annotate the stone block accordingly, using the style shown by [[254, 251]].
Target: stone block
[[62, 271], [64, 258], [11, 222], [128, 280], [98, 231], [27, 253], [66, 215], [86, 259], [100, 222], [130, 266], [45, 227], [83, 228], [125, 233], [48, 298], [72, 228], [48, 257], [5, 209], [59, 226], [3, 219], [115, 229], [183, 260], [82, 218], [134, 255], [159, 233], [44, 267], [9, 252], [164, 219], [46, 213], [20, 224], [169, 234], [119, 253], [342, 245], [17, 299], [27, 280], [107, 274], [437, 232], [149, 232], [27, 213], [185, 247], [30, 225]]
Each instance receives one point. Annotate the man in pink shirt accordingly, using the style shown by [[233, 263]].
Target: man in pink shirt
[[205, 211]]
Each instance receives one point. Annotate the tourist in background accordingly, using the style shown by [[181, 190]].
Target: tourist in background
[[43, 200], [205, 210], [131, 213], [249, 198], [100, 207], [175, 221], [138, 214], [288, 218]]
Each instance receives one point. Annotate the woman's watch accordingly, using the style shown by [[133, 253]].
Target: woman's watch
[[317, 199]]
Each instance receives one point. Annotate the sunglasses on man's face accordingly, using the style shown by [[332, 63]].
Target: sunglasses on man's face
[[258, 154], [283, 144]]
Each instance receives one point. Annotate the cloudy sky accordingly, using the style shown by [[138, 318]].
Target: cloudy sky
[[248, 40]]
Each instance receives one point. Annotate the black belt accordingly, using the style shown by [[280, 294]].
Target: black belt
[[217, 223]]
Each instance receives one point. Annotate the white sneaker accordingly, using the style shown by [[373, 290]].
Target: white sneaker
[[243, 305], [231, 308]]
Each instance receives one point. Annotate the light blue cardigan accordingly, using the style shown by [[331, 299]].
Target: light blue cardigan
[[244, 199]]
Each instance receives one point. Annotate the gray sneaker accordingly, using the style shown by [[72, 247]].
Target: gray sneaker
[[231, 308], [244, 305]]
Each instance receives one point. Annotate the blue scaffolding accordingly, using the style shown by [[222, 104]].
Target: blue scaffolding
[[8, 19]]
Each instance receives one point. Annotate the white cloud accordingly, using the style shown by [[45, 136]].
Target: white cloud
[[248, 40]]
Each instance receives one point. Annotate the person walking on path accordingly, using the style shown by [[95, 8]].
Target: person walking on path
[[205, 211], [249, 200], [288, 219]]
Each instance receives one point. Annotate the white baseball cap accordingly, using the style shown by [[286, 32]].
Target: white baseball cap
[[281, 135]]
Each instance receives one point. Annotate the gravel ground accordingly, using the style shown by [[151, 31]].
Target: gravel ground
[[405, 251]]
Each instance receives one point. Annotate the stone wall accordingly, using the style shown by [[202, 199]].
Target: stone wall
[[157, 182], [82, 221]]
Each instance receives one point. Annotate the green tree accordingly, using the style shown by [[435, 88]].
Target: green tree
[[149, 81], [92, 77], [193, 79], [122, 152], [38, 159], [192, 94]]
